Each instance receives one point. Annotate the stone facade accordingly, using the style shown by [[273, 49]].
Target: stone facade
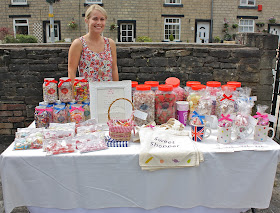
[[24, 67], [148, 16]]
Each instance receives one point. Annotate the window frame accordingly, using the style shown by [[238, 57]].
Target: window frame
[[169, 2], [174, 24], [96, 2], [132, 30], [240, 25], [18, 3], [246, 4], [15, 24]]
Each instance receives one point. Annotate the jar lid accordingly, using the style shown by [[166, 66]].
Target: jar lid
[[64, 78], [152, 83], [234, 83], [143, 87], [230, 87], [198, 87], [190, 83], [175, 82], [165, 87], [134, 83], [79, 78], [48, 79], [213, 84]]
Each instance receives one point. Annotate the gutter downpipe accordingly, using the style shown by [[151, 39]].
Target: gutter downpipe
[[211, 23]]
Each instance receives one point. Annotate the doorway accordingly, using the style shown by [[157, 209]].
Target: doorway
[[202, 31], [47, 31]]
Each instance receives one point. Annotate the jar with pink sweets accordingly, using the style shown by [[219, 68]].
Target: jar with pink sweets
[[42, 116], [65, 89], [80, 89], [165, 100], [153, 84], [144, 100], [77, 113], [179, 91], [60, 114], [50, 90]]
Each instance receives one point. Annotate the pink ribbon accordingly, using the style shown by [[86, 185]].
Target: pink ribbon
[[42, 110], [225, 117], [259, 115], [74, 108], [227, 97]]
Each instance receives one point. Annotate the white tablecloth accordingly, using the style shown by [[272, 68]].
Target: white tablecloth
[[113, 178]]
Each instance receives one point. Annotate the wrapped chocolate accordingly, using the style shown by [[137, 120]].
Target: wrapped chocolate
[[261, 115]]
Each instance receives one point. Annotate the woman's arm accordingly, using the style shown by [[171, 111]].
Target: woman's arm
[[115, 73], [74, 55]]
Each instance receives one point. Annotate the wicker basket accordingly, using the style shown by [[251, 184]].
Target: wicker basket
[[120, 129]]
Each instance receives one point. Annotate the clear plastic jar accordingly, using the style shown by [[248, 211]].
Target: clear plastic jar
[[42, 116], [81, 89], [188, 87], [153, 84], [165, 101], [236, 84], [213, 88], [133, 88], [144, 100], [77, 113], [179, 91], [65, 89], [86, 107], [60, 114], [194, 97], [50, 90]]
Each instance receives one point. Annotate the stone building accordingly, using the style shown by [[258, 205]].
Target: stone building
[[187, 20]]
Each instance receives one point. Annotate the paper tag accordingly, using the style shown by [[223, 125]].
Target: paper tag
[[272, 118], [140, 114], [253, 121]]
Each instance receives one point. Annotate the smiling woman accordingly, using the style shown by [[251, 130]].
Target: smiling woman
[[92, 54]]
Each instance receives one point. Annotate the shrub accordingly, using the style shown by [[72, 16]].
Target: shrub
[[143, 39], [217, 39], [171, 37], [20, 39], [4, 31]]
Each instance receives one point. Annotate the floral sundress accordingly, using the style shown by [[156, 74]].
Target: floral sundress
[[96, 66]]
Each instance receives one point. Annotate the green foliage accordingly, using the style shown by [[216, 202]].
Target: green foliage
[[227, 37], [20, 39], [143, 39], [217, 39], [171, 37], [234, 26]]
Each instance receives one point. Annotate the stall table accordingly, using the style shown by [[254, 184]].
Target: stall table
[[229, 180]]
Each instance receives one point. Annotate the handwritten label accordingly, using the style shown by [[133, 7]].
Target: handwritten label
[[140, 114]]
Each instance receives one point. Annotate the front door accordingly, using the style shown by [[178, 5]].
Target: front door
[[202, 34], [275, 30], [48, 32]]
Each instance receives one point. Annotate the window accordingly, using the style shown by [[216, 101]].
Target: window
[[172, 1], [172, 26], [246, 25], [127, 32], [21, 26], [247, 2], [93, 1], [19, 2]]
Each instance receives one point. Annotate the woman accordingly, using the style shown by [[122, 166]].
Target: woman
[[95, 56]]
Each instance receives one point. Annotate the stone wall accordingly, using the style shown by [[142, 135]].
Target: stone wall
[[23, 68]]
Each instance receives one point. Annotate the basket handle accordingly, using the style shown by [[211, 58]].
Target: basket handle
[[114, 102]]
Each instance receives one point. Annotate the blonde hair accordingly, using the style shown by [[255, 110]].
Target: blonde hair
[[95, 7]]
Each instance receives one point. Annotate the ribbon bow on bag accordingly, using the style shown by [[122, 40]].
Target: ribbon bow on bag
[[225, 118], [201, 117], [259, 115], [227, 97], [78, 108]]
